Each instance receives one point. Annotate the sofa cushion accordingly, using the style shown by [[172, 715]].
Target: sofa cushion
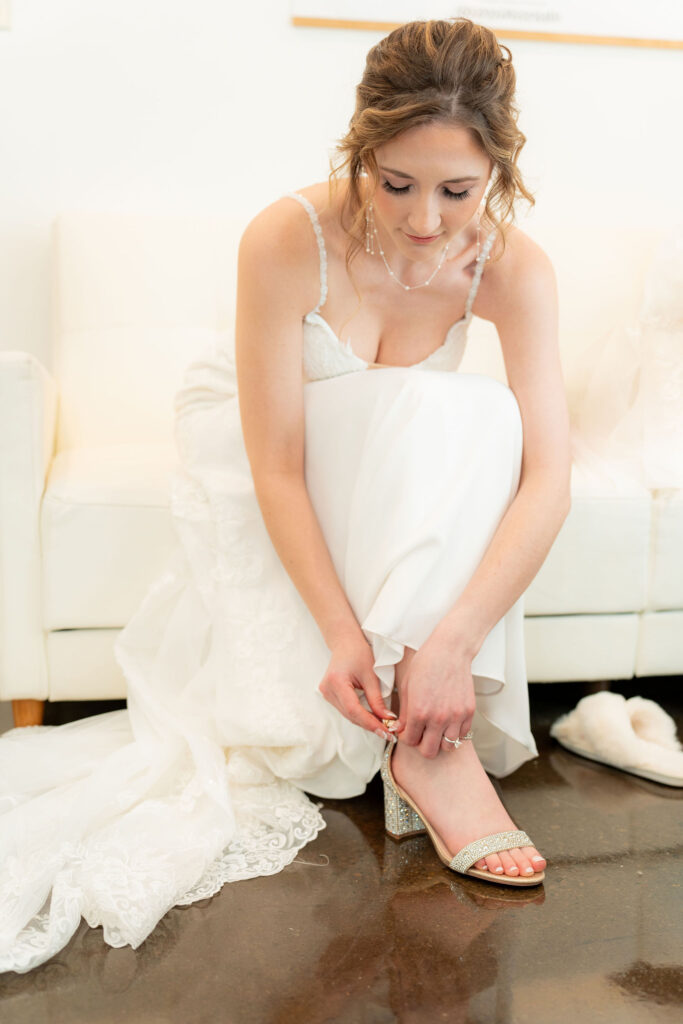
[[666, 551], [563, 648], [599, 560], [106, 532], [82, 665], [660, 644]]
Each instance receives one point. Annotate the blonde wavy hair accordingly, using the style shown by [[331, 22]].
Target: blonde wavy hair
[[452, 71]]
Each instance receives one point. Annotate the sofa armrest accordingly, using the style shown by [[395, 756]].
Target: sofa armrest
[[28, 415]]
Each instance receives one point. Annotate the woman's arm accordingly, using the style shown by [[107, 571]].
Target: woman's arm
[[438, 695], [527, 325], [277, 284]]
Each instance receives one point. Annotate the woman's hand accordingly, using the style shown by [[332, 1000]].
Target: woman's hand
[[437, 697], [351, 669]]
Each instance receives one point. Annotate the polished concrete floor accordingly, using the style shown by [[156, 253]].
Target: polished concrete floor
[[363, 930]]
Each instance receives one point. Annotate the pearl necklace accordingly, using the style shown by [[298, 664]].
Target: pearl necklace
[[411, 287], [370, 236]]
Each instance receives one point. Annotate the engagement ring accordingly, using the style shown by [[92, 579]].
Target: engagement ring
[[456, 743]]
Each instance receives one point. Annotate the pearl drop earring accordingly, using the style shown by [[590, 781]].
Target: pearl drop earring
[[480, 210], [369, 230]]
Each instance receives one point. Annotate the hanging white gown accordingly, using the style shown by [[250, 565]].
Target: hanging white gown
[[202, 779]]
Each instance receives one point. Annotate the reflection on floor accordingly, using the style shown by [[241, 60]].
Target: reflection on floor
[[362, 929]]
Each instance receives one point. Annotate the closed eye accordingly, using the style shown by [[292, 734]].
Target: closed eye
[[388, 187]]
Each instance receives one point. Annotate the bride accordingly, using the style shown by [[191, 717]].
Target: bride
[[357, 523]]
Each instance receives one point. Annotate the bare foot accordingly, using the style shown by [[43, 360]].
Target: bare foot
[[461, 804]]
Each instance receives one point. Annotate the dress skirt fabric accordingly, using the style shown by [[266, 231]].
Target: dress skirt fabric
[[202, 779]]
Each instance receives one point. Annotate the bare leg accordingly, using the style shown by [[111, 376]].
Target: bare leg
[[457, 795]]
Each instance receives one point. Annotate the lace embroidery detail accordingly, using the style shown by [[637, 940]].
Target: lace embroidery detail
[[127, 886], [325, 355], [310, 209], [479, 270], [161, 804]]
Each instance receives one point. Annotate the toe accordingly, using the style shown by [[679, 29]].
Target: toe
[[522, 862], [494, 864], [508, 863], [481, 864], [531, 853]]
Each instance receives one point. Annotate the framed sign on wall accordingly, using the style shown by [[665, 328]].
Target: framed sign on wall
[[658, 23]]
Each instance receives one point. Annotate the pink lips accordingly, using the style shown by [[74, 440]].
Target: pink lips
[[422, 241]]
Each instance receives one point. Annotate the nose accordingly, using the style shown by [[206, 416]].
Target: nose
[[424, 218]]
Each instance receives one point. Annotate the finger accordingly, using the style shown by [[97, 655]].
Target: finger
[[414, 728], [454, 731], [430, 744], [351, 707], [373, 692]]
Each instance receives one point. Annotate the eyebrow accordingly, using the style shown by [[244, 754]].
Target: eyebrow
[[450, 181]]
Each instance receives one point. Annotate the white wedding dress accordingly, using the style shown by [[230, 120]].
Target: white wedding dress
[[202, 779]]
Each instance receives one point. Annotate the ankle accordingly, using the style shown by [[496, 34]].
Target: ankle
[[411, 759]]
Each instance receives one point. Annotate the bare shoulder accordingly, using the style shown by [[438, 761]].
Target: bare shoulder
[[522, 303], [522, 278], [278, 246]]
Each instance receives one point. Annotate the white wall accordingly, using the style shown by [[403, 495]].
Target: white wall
[[162, 105]]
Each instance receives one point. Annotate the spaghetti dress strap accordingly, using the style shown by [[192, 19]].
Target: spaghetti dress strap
[[483, 257], [310, 209]]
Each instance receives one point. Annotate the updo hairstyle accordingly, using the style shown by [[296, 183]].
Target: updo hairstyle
[[451, 71]]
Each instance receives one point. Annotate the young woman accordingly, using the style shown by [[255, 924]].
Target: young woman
[[357, 525], [432, 139]]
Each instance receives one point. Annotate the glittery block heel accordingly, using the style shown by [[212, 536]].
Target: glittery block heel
[[400, 819]]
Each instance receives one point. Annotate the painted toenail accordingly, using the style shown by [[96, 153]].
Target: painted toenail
[[499, 870], [514, 869], [528, 871], [537, 858]]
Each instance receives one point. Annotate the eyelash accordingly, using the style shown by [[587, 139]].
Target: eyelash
[[400, 191]]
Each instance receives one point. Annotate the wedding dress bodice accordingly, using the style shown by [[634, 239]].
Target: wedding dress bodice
[[325, 355]]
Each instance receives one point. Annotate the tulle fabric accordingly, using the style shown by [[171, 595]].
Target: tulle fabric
[[208, 775]]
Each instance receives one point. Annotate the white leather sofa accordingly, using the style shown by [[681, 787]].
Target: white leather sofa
[[86, 452]]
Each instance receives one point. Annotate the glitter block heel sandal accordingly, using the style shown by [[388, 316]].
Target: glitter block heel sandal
[[403, 819]]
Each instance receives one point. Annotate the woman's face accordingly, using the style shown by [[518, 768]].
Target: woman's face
[[431, 181]]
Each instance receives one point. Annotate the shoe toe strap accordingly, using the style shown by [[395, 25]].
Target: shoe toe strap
[[497, 841]]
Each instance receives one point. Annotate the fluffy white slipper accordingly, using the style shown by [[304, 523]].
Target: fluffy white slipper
[[635, 735]]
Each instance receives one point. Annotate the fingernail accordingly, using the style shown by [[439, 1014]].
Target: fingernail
[[384, 735], [390, 714]]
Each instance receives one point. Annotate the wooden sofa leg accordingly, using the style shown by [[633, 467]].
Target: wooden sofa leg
[[28, 712]]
